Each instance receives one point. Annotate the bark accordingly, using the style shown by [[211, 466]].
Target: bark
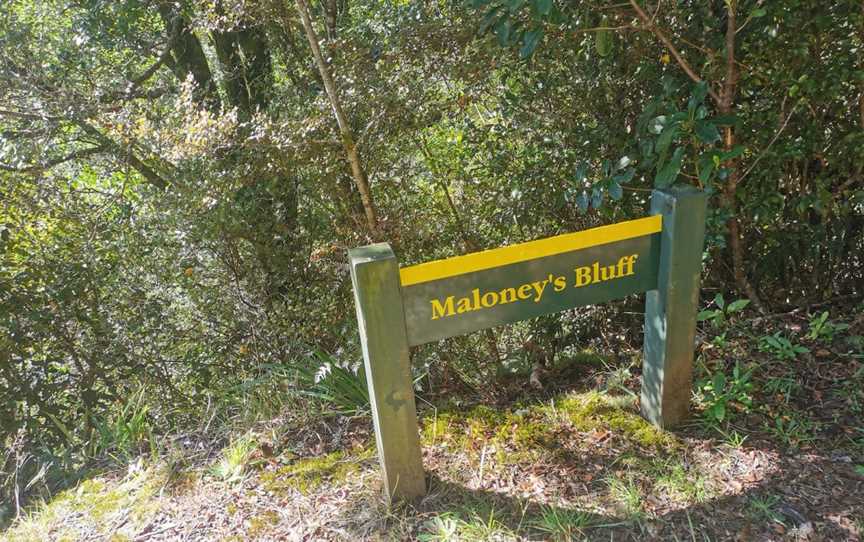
[[348, 140], [730, 200], [245, 58], [187, 56], [330, 12]]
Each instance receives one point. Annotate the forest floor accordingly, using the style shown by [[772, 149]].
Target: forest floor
[[781, 458]]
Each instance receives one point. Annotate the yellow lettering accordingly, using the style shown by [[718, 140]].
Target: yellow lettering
[[559, 283], [439, 310], [583, 276], [508, 295], [525, 291], [490, 299], [464, 305], [539, 286], [631, 263]]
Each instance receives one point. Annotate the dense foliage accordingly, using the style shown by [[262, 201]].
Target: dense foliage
[[177, 194]]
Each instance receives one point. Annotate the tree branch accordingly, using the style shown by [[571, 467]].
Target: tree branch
[[731, 79], [773, 140], [348, 142], [81, 153], [146, 171], [649, 24]]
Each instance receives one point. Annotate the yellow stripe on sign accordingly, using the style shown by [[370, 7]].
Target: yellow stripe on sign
[[496, 257]]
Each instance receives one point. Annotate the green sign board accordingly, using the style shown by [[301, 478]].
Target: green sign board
[[398, 308], [463, 294]]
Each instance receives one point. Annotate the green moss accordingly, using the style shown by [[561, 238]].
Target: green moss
[[580, 361], [524, 431], [96, 504], [593, 411], [262, 523], [437, 429], [307, 475]]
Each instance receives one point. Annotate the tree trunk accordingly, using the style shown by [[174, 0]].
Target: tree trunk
[[724, 101], [348, 141], [188, 57], [727, 98]]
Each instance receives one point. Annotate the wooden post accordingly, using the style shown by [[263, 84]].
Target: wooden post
[[670, 310], [381, 321]]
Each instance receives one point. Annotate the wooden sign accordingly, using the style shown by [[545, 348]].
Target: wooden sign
[[466, 293], [398, 308]]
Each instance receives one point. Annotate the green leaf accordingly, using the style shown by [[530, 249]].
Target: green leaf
[[582, 202], [705, 315], [502, 31], [734, 152], [719, 301], [758, 12], [707, 132], [489, 19], [705, 172], [581, 172], [724, 120], [666, 137], [603, 42], [623, 162], [737, 305], [596, 198], [615, 191], [607, 168], [515, 5], [669, 172], [657, 124], [530, 40], [646, 147], [700, 91], [625, 176], [543, 6], [719, 411]]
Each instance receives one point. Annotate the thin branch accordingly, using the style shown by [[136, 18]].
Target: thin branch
[[603, 28], [146, 171], [31, 116], [81, 153], [166, 54], [731, 80], [773, 140], [672, 49]]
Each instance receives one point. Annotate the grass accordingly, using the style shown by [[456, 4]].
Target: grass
[[761, 508], [234, 461], [98, 507], [627, 496], [562, 524], [474, 527], [683, 485]]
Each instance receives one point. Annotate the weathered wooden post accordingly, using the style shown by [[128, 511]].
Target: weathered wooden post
[[670, 310], [381, 320]]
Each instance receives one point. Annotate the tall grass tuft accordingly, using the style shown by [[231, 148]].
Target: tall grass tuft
[[342, 388], [126, 432]]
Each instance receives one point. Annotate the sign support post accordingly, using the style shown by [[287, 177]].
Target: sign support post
[[670, 310], [383, 336]]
